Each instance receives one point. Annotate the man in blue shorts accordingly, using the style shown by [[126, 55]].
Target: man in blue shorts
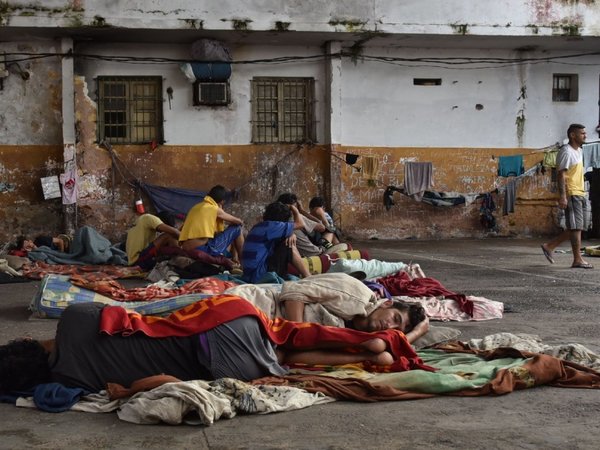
[[204, 227]]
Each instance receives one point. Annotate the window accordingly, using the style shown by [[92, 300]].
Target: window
[[282, 110], [130, 110], [427, 81], [565, 88]]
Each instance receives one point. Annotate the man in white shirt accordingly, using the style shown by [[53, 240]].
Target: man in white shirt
[[569, 164]]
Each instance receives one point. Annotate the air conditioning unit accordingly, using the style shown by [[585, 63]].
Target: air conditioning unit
[[211, 94]]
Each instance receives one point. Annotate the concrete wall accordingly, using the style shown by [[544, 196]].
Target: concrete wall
[[362, 106], [30, 141], [186, 124], [473, 107], [496, 18], [361, 211]]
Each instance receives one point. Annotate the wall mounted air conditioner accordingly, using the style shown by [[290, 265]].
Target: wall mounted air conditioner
[[211, 94]]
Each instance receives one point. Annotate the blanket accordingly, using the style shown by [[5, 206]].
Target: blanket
[[401, 284], [205, 315], [56, 292], [460, 372], [114, 290], [38, 270], [445, 309], [88, 247]]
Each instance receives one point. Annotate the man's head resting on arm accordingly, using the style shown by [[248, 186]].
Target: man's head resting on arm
[[277, 212], [23, 365], [391, 315]]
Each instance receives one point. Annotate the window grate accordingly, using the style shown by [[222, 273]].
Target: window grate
[[565, 88], [130, 109], [282, 110]]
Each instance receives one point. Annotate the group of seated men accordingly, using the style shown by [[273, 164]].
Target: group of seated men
[[285, 235]]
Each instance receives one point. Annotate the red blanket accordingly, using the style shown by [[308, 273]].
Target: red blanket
[[401, 284], [209, 313]]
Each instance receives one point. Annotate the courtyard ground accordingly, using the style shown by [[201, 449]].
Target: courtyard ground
[[556, 302]]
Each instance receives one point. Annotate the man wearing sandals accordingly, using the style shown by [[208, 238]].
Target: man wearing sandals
[[569, 165]]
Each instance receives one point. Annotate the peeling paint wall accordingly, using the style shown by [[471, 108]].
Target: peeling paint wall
[[498, 18], [461, 125], [30, 142], [23, 209], [30, 101]]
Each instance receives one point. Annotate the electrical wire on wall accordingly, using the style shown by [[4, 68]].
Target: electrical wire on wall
[[456, 63]]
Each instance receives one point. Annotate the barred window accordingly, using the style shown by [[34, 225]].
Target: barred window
[[130, 110], [565, 88], [282, 110]]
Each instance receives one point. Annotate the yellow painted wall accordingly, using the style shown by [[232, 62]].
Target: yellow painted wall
[[23, 209], [361, 212]]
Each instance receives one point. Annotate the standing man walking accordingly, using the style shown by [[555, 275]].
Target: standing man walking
[[569, 164]]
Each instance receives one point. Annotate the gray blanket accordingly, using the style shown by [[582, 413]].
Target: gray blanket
[[88, 247]]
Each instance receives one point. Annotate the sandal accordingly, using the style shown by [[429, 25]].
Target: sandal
[[583, 265]]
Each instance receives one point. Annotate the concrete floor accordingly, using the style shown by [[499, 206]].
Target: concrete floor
[[553, 301]]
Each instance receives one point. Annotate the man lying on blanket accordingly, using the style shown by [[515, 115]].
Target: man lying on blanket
[[223, 336]]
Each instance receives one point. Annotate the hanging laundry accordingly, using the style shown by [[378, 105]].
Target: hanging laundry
[[510, 166], [418, 178], [351, 158], [591, 155], [488, 206], [510, 197], [70, 183], [550, 158], [369, 167]]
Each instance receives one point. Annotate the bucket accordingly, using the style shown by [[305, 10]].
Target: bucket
[[139, 206]]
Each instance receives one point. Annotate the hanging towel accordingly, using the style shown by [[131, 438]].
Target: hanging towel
[[510, 196], [591, 155], [418, 178], [550, 158], [510, 166], [370, 167]]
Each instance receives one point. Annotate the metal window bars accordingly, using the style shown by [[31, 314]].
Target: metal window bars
[[130, 109], [282, 110]]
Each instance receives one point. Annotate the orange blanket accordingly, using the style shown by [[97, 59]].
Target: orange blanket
[[209, 313]]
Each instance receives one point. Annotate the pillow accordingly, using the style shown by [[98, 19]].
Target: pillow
[[435, 335], [16, 262]]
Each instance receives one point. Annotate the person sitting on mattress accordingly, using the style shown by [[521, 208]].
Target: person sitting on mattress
[[316, 207], [90, 349], [204, 227], [312, 239], [270, 246], [149, 234]]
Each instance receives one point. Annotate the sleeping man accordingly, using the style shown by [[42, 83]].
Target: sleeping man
[[224, 336], [335, 299]]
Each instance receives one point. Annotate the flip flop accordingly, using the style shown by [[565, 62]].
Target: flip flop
[[584, 265], [547, 254]]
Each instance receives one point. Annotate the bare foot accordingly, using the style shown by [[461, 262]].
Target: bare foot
[[383, 359]]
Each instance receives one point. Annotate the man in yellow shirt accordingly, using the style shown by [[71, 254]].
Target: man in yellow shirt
[[571, 188], [204, 227], [144, 242]]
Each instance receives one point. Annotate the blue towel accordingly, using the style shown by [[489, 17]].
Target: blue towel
[[591, 155], [54, 397], [510, 166]]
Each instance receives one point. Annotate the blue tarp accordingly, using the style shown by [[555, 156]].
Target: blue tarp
[[175, 200]]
